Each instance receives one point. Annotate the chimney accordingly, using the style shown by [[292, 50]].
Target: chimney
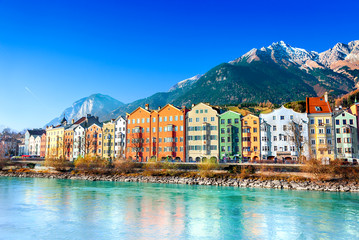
[[73, 121], [192, 104], [159, 108], [326, 96], [147, 106]]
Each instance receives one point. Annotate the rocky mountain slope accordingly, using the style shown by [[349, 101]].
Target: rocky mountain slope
[[97, 104]]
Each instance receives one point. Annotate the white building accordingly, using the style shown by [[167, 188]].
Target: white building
[[120, 137], [34, 145], [79, 141], [30, 147], [284, 135]]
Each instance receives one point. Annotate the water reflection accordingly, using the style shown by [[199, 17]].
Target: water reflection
[[65, 209]]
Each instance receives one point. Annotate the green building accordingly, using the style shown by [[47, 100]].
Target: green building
[[230, 136]]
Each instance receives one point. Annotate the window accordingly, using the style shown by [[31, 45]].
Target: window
[[176, 118], [153, 119], [291, 117], [328, 131], [222, 140], [313, 142], [153, 129], [318, 109], [236, 120], [275, 138], [273, 117], [320, 130], [281, 117], [189, 119], [275, 148], [327, 120], [205, 111], [212, 119], [205, 119], [196, 111], [338, 130], [344, 122], [312, 131], [197, 119], [284, 127], [339, 140], [165, 119], [181, 118], [351, 122], [170, 118], [229, 121], [222, 121], [274, 128], [201, 111], [254, 130], [312, 121]]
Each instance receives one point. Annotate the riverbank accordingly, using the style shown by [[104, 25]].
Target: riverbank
[[330, 186]]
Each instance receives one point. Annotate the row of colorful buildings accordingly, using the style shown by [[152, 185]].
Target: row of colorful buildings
[[206, 131]]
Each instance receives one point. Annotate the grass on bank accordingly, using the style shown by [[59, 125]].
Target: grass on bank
[[312, 170]]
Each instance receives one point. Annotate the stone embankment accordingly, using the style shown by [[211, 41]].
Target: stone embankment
[[330, 186]]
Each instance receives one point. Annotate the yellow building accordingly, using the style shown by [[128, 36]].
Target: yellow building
[[55, 140], [108, 139], [250, 138], [320, 127]]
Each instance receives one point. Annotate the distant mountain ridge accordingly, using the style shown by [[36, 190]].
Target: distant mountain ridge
[[96, 104], [279, 73]]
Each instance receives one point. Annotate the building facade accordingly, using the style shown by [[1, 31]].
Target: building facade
[[120, 137], [321, 131], [230, 136], [202, 132], [251, 138], [108, 140], [141, 126], [284, 135], [170, 137], [346, 136]]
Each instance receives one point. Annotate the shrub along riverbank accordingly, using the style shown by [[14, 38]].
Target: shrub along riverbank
[[311, 176]]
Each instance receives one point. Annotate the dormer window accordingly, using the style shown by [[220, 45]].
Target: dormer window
[[318, 109]]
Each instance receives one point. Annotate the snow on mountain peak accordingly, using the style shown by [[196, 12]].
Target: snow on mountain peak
[[186, 82]]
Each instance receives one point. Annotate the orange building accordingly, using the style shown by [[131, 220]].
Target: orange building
[[43, 145], [250, 138], [93, 138], [171, 133], [141, 126], [69, 142], [156, 134]]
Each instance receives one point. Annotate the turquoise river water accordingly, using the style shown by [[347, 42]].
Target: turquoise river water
[[34, 208]]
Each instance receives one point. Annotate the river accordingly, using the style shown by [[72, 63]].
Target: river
[[35, 208]]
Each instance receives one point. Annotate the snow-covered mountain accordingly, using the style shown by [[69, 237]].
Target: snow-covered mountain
[[283, 53], [96, 104], [185, 83]]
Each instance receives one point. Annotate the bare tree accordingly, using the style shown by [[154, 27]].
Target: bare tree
[[137, 143], [295, 136]]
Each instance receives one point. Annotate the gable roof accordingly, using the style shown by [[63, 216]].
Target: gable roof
[[317, 105], [36, 131], [169, 105]]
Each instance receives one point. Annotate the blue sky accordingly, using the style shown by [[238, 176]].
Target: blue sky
[[53, 53]]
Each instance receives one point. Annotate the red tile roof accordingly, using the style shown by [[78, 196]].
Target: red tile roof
[[81, 120], [317, 105]]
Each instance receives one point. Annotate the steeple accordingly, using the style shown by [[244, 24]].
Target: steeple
[[64, 121]]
